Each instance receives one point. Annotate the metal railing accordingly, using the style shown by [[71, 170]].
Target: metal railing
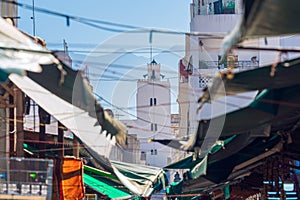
[[26, 177], [240, 65]]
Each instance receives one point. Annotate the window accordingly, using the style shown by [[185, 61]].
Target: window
[[152, 101], [153, 127], [153, 151], [143, 155]]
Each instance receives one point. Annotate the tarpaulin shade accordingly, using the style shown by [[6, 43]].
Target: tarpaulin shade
[[19, 53], [264, 18], [286, 75], [72, 179], [71, 86], [189, 162], [256, 117], [104, 188], [219, 168], [141, 180]]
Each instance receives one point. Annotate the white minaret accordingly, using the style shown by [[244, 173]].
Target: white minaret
[[153, 115]]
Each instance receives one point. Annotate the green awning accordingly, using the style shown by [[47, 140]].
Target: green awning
[[100, 172], [190, 163], [104, 188], [141, 180]]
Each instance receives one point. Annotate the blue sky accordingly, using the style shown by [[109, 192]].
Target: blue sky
[[169, 14], [162, 14]]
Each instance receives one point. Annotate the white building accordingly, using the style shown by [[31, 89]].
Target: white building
[[153, 116], [214, 17], [218, 18]]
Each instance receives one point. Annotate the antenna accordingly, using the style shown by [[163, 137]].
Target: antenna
[[33, 19], [150, 41]]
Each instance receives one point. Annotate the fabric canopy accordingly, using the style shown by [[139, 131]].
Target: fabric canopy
[[270, 18], [264, 18], [19, 53], [141, 180], [66, 95], [256, 117], [104, 188], [71, 86], [220, 168], [90, 127], [286, 75], [273, 110]]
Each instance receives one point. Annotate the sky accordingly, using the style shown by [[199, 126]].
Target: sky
[[158, 14], [173, 15]]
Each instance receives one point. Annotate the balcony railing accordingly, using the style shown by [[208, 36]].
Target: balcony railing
[[240, 65]]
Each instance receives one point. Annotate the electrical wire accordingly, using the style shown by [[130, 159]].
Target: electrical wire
[[116, 26]]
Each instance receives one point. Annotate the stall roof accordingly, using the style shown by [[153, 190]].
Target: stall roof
[[104, 188], [19, 53], [285, 75], [264, 18]]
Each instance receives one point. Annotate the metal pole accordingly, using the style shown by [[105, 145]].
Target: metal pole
[[33, 19]]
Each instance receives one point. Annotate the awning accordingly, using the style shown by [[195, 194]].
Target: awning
[[77, 120], [66, 95], [220, 169], [141, 180], [19, 52], [104, 188], [257, 117], [264, 18], [191, 161], [71, 86], [286, 75]]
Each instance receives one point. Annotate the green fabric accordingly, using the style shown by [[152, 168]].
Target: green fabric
[[174, 188], [141, 180], [185, 163], [99, 172], [104, 188], [226, 191], [199, 169], [5, 72], [262, 102], [217, 147], [189, 162]]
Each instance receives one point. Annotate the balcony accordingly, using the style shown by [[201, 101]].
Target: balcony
[[239, 65], [206, 66]]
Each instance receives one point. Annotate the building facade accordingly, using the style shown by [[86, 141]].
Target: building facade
[[201, 62], [153, 103]]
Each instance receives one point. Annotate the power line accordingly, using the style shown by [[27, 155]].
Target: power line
[[117, 27]]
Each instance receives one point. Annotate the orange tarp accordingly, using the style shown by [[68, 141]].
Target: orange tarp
[[72, 179]]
